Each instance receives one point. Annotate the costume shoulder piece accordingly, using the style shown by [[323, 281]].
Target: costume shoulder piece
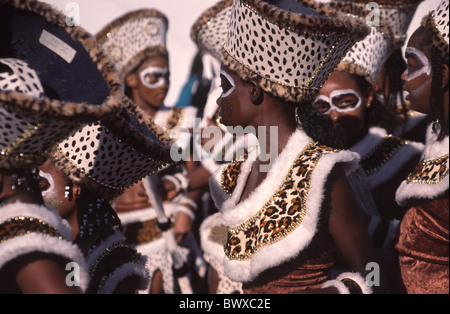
[[430, 178], [279, 219], [29, 228], [382, 155], [113, 261]]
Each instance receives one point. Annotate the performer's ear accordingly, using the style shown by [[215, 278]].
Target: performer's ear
[[256, 93], [132, 80]]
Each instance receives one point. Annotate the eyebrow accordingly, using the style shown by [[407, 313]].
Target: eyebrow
[[414, 53]]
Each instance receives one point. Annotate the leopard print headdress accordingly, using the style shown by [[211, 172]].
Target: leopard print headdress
[[133, 38], [436, 23], [291, 51], [57, 77], [366, 57], [210, 30], [398, 14], [110, 156]]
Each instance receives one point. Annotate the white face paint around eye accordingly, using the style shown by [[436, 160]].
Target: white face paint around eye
[[420, 57], [231, 81], [51, 188], [154, 77], [337, 94]]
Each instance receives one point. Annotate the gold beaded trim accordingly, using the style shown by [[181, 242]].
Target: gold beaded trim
[[247, 239], [23, 226], [382, 153], [431, 171]]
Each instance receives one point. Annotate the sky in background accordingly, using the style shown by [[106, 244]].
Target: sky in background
[[182, 14]]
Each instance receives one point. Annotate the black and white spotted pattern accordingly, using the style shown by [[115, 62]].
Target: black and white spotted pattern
[[399, 18], [23, 135], [280, 55], [105, 159], [213, 34], [21, 78], [441, 19], [135, 35], [369, 53]]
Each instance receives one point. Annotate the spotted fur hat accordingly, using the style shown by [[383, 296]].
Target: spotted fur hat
[[436, 23], [210, 30], [60, 80], [133, 38], [398, 14], [366, 57], [110, 156], [290, 51]]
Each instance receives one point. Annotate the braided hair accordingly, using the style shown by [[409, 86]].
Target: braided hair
[[441, 124], [391, 82], [96, 219]]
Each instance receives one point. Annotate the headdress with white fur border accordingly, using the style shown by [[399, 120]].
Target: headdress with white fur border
[[290, 51], [133, 38]]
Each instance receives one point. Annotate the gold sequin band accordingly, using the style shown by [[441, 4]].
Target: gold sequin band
[[431, 171], [23, 226], [381, 154]]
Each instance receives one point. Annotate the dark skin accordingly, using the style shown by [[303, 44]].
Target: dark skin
[[249, 105], [151, 100], [35, 273], [53, 195], [419, 88]]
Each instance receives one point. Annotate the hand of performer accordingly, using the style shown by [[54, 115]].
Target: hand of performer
[[182, 226], [167, 190]]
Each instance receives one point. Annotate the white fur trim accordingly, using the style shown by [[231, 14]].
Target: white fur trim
[[121, 272], [127, 270], [234, 214], [145, 214], [34, 242], [337, 284], [356, 277], [433, 149], [44, 213], [217, 193]]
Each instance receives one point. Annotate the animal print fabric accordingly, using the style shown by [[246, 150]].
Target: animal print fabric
[[283, 213], [430, 172]]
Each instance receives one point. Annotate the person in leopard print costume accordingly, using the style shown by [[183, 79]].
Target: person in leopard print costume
[[283, 223], [423, 243]]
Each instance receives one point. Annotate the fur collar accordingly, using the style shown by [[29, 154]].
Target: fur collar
[[433, 149], [235, 213]]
